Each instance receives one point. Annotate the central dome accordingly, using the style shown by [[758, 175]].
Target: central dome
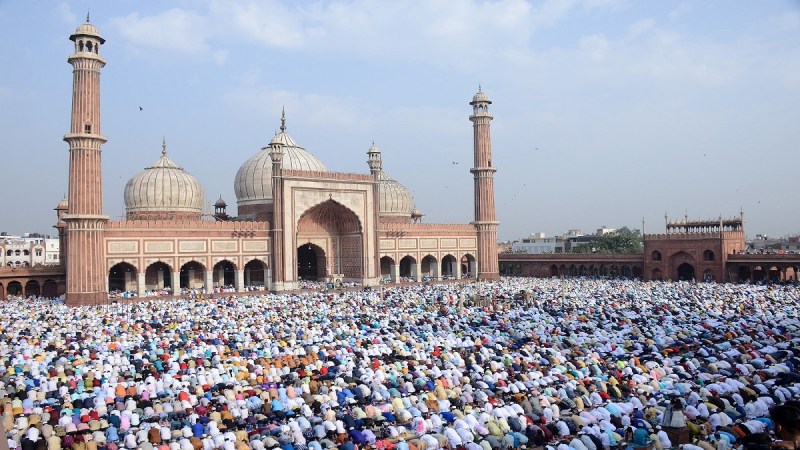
[[253, 183], [163, 191]]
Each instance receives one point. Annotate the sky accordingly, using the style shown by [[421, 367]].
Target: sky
[[607, 112]]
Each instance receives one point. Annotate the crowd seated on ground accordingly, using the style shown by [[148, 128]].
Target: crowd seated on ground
[[560, 364]]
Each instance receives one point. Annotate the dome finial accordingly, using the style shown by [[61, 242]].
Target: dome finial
[[164, 146], [283, 119], [479, 87], [87, 16]]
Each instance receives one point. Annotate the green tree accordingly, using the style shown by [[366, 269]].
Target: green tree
[[623, 240]]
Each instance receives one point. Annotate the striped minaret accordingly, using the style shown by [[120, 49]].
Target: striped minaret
[[85, 222], [483, 172]]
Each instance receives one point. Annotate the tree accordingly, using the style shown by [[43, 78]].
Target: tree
[[623, 240]]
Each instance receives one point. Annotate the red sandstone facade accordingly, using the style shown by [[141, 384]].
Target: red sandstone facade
[[357, 227], [84, 221], [483, 171]]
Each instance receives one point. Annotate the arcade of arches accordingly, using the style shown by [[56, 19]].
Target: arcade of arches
[[46, 287], [159, 276], [330, 241], [429, 268]]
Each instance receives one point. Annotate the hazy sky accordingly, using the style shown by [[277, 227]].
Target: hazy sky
[[606, 111]]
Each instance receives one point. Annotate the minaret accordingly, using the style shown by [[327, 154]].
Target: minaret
[[278, 263], [485, 219], [375, 163], [85, 222]]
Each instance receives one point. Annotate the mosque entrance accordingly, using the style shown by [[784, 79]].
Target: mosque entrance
[[310, 262], [685, 272], [338, 233]]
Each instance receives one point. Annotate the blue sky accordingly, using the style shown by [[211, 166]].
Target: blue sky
[[606, 111]]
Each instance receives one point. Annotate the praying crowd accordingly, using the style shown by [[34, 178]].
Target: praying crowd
[[559, 364]]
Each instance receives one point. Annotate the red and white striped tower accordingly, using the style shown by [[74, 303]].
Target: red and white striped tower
[[85, 222], [483, 172]]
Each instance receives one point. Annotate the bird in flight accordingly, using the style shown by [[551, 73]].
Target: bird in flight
[[455, 162], [141, 109]]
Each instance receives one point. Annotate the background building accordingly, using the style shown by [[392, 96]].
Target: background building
[[28, 250]]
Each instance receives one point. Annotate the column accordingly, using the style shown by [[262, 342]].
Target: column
[[394, 271], [457, 272], [190, 279], [268, 279], [239, 280], [209, 281], [220, 276], [140, 284], [128, 280], [416, 271], [160, 279]]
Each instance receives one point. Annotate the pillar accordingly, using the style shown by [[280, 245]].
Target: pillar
[[278, 263], [457, 271], [239, 280], [160, 279], [416, 271], [394, 272], [209, 281], [128, 280], [140, 284]]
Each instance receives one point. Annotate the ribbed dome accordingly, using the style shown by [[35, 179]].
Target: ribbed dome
[[253, 183], [87, 29], [395, 199], [163, 191], [480, 96]]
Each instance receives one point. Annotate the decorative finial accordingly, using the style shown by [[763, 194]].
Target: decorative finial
[[87, 16], [164, 146], [479, 87], [283, 119]]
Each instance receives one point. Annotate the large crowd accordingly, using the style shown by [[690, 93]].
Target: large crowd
[[521, 363]]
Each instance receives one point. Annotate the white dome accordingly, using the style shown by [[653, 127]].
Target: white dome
[[163, 188], [253, 183], [88, 30], [395, 199]]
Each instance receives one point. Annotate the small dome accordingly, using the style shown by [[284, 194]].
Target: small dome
[[87, 29], [163, 191], [63, 205], [416, 213], [253, 182], [220, 203], [395, 199], [480, 96]]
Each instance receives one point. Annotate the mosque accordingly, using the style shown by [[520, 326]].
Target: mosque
[[295, 220]]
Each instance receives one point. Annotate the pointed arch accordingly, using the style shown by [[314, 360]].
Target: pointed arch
[[122, 278], [408, 268], [192, 275], [255, 274], [387, 268], [224, 273], [469, 266], [338, 232], [448, 266], [429, 267], [158, 277]]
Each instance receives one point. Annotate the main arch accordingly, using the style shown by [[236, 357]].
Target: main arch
[[336, 236]]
